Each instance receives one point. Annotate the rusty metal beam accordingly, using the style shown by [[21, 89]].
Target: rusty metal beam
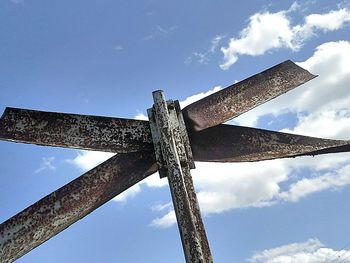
[[234, 100], [57, 211], [186, 221], [184, 152], [75, 131], [229, 143]]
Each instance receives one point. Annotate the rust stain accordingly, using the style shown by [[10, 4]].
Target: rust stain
[[234, 100], [166, 127], [75, 131], [230, 143]]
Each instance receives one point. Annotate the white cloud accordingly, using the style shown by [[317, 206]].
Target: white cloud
[[161, 207], [46, 164], [165, 221], [277, 28], [129, 193], [86, 160], [198, 96], [333, 20], [311, 251], [222, 187], [306, 186], [253, 39], [141, 116]]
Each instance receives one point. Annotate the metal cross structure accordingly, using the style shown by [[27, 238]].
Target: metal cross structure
[[170, 143]]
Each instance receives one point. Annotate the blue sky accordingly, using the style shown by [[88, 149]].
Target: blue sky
[[106, 57]]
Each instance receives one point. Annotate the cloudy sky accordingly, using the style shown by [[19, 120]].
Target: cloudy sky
[[106, 57]]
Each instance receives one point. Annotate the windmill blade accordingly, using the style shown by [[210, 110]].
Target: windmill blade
[[234, 100], [75, 131], [58, 210], [229, 143]]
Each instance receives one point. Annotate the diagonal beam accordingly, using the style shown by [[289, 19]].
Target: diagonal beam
[[234, 100], [58, 210], [75, 131], [229, 143]]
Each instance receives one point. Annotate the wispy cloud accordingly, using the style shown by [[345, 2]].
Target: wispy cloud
[[160, 32], [269, 31], [204, 57], [165, 221], [311, 251], [46, 164], [118, 48], [17, 1], [161, 207]]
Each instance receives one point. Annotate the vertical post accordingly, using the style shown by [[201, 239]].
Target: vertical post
[[187, 163], [172, 157]]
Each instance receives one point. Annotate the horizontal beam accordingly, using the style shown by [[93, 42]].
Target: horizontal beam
[[230, 143], [75, 131]]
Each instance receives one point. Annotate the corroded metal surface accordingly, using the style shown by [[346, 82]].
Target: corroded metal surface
[[245, 95], [157, 144], [184, 152], [210, 141], [75, 131], [57, 211], [229, 143], [185, 218], [184, 136]]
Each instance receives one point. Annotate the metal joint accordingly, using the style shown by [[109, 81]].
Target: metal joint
[[178, 130]]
